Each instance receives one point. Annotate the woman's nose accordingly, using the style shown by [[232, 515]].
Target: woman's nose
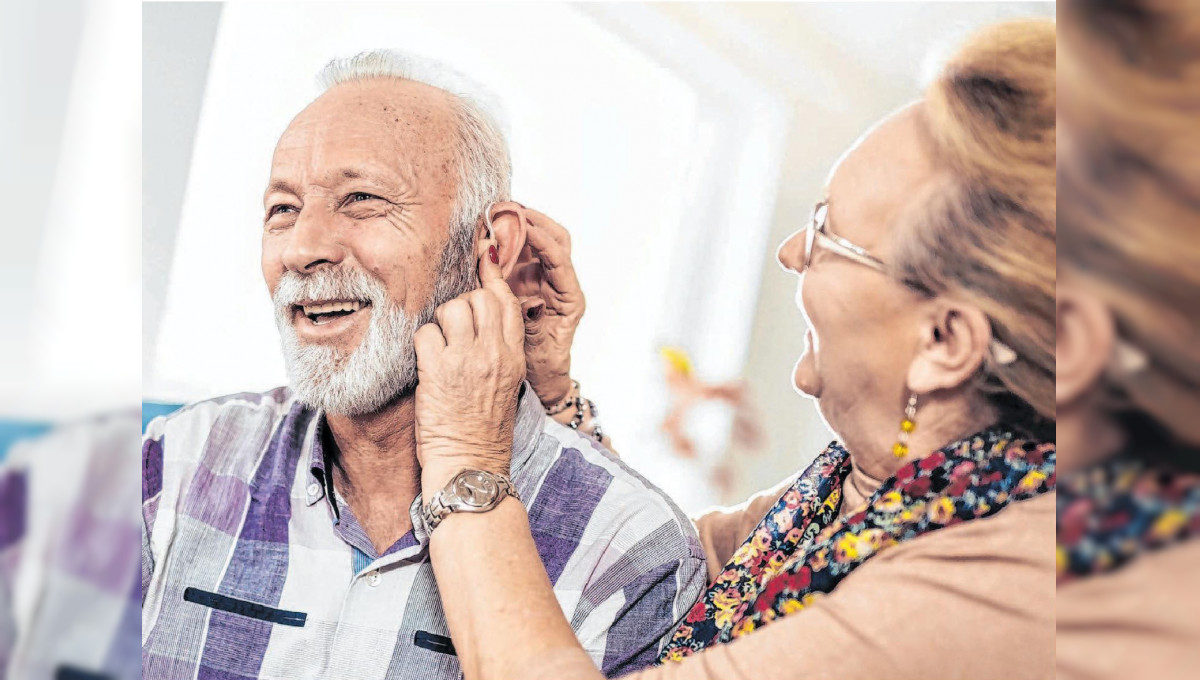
[[790, 254]]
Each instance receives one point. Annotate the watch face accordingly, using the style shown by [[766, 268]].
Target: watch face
[[476, 488]]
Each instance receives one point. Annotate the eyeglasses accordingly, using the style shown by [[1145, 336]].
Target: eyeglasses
[[818, 232]]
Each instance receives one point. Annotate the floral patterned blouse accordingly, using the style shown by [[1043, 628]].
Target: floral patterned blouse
[[1111, 513], [805, 545]]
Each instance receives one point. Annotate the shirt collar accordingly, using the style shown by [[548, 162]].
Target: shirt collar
[[320, 484], [530, 419]]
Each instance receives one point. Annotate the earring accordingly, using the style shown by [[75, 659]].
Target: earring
[[900, 448]]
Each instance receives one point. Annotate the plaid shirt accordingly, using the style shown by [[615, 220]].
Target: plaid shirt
[[69, 602], [253, 567]]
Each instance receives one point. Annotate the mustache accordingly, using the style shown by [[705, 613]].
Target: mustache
[[332, 283]]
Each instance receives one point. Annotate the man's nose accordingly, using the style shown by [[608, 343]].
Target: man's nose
[[313, 243], [790, 254]]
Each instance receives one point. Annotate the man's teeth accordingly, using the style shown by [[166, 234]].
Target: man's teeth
[[328, 307]]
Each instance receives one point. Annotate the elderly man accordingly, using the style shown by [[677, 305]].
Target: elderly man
[[284, 535]]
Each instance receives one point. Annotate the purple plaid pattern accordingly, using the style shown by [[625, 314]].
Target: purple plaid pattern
[[283, 583], [69, 591]]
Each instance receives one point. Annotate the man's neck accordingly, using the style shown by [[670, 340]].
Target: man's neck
[[375, 468]]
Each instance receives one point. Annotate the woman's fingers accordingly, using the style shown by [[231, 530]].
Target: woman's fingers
[[507, 308], [482, 315], [489, 271], [428, 340], [465, 401], [555, 258], [485, 310], [457, 321], [551, 228]]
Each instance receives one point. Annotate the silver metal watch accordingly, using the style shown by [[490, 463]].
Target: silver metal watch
[[468, 491]]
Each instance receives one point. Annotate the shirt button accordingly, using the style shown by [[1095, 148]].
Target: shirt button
[[314, 489], [373, 579]]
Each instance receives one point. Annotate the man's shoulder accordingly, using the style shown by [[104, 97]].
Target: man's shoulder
[[222, 432], [587, 489], [270, 406]]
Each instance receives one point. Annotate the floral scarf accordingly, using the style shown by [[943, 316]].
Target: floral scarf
[[802, 549], [1112, 512]]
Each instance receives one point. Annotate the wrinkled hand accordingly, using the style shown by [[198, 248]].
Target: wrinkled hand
[[553, 307], [469, 365]]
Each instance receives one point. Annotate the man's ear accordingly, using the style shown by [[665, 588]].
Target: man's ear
[[1086, 334], [954, 343], [508, 234]]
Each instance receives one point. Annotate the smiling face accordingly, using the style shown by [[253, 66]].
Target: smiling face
[[861, 331], [357, 222]]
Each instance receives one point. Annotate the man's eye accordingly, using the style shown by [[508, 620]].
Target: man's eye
[[360, 196], [278, 209]]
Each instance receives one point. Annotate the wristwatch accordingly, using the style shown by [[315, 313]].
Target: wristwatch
[[468, 491]]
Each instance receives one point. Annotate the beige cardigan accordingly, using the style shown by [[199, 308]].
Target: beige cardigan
[[1141, 621], [975, 600]]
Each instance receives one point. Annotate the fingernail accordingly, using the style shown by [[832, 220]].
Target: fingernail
[[492, 254]]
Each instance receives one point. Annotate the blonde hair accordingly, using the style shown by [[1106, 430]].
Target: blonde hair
[[1131, 201], [986, 232]]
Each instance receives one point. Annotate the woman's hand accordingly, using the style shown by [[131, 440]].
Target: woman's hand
[[554, 305], [469, 366]]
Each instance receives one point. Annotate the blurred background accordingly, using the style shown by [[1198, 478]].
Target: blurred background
[[69, 184], [70, 342], [678, 142]]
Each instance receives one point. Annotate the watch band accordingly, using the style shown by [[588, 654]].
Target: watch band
[[483, 490]]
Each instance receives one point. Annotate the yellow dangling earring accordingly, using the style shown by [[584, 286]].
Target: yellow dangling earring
[[900, 448]]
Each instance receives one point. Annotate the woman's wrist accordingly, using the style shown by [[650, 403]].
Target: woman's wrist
[[552, 386], [577, 412], [440, 468]]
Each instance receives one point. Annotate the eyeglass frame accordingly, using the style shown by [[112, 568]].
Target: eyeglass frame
[[817, 230]]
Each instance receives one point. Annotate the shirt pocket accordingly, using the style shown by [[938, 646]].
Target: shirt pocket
[[245, 608]]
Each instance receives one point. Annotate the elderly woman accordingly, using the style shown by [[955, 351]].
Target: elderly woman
[[1129, 342], [917, 545]]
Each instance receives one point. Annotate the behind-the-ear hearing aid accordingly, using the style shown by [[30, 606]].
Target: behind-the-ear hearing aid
[[487, 221]]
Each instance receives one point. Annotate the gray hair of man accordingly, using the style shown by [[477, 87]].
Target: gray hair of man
[[484, 165]]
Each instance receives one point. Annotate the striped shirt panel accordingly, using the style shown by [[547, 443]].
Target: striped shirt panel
[[255, 567]]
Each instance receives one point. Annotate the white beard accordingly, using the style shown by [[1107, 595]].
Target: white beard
[[384, 365]]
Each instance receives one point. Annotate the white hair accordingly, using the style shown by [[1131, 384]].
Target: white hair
[[484, 166]]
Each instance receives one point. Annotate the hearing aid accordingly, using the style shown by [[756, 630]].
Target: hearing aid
[[487, 222], [489, 236]]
